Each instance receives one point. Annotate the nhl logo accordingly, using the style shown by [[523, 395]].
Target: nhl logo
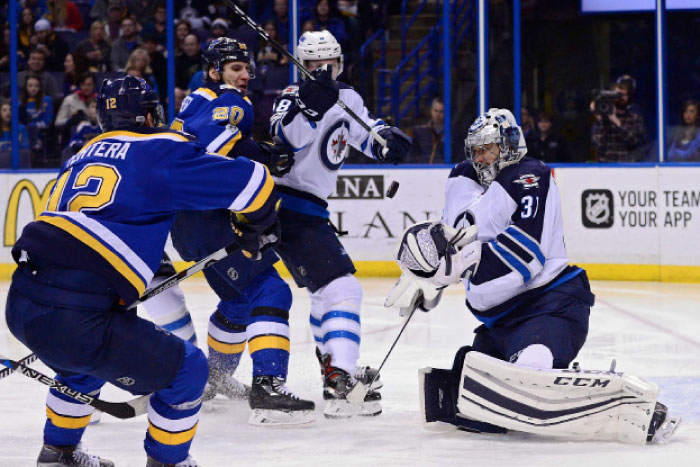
[[597, 209], [232, 273]]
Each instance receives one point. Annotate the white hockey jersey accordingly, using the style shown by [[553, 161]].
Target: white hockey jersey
[[320, 148], [520, 225]]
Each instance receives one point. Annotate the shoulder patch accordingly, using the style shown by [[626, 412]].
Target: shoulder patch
[[528, 181]]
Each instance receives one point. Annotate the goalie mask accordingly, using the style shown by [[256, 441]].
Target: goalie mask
[[319, 45], [496, 127]]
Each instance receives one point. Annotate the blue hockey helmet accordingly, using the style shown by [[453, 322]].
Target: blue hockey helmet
[[222, 50], [125, 102]]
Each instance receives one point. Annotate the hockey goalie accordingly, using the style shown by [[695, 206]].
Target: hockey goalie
[[501, 236]]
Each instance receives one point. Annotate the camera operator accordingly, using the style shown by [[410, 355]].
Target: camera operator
[[618, 135]]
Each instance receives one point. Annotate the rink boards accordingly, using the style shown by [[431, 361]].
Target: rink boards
[[621, 223]]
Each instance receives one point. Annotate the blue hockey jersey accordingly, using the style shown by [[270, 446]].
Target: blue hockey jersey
[[113, 203], [219, 115]]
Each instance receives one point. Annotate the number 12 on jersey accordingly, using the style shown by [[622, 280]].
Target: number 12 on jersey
[[93, 188]]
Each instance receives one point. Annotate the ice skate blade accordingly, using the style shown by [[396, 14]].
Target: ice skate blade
[[341, 408], [266, 417], [667, 429]]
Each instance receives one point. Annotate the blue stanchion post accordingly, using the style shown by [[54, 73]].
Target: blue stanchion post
[[170, 43], [661, 78], [482, 54], [447, 80], [293, 34], [14, 91], [517, 77]]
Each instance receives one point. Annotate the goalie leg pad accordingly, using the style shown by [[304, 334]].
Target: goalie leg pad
[[583, 404]]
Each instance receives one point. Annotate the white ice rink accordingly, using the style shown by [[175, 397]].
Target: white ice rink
[[652, 329]]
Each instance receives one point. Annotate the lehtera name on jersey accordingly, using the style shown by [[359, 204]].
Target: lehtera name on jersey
[[103, 149]]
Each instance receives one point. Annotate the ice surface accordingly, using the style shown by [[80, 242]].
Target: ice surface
[[652, 329]]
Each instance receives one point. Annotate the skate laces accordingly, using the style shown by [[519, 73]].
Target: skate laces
[[189, 462], [280, 386], [83, 458]]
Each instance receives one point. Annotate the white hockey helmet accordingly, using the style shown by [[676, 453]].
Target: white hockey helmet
[[495, 126], [319, 45]]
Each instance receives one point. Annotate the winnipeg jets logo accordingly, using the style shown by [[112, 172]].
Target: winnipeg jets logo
[[334, 145], [528, 181]]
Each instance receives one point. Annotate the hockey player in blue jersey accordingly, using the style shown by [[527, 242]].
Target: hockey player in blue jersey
[[502, 236], [94, 250], [307, 118], [254, 301]]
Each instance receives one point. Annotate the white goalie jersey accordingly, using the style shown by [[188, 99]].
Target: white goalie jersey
[[320, 148], [519, 222]]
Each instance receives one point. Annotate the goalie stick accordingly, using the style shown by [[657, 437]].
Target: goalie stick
[[24, 361], [357, 395], [261, 32], [122, 410]]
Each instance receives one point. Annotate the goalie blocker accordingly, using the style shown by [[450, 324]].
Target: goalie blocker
[[484, 394]]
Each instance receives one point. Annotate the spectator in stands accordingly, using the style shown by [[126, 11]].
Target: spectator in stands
[[54, 48], [219, 28], [6, 135], [179, 97], [631, 84], [139, 65], [268, 55], [281, 19], [36, 113], [116, 12], [349, 13], [38, 7], [84, 131], [5, 50], [427, 147], [527, 123], [74, 66], [620, 136], [95, 48], [157, 28], [74, 107], [325, 18], [183, 28], [188, 62], [126, 44], [372, 15], [307, 26], [544, 144], [685, 141], [64, 14], [35, 65], [25, 28], [159, 65], [143, 10]]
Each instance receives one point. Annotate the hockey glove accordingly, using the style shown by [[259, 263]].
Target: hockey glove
[[316, 96], [398, 144], [279, 157], [254, 238]]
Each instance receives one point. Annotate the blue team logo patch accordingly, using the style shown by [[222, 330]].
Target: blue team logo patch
[[334, 145]]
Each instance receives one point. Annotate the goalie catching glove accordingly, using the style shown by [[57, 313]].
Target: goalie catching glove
[[437, 253], [431, 256]]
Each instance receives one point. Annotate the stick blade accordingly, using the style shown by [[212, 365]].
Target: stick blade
[[357, 395]]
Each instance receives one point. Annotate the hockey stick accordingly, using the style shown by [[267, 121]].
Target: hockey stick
[[200, 265], [300, 66], [25, 361], [357, 395], [122, 410]]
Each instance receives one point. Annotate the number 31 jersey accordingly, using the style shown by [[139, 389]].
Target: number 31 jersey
[[520, 225]]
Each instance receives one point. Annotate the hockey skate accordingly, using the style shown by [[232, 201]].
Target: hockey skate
[[274, 404], [71, 456], [226, 385], [337, 384], [363, 374], [662, 426], [189, 462]]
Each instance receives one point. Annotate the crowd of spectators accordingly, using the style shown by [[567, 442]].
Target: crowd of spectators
[[66, 48]]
